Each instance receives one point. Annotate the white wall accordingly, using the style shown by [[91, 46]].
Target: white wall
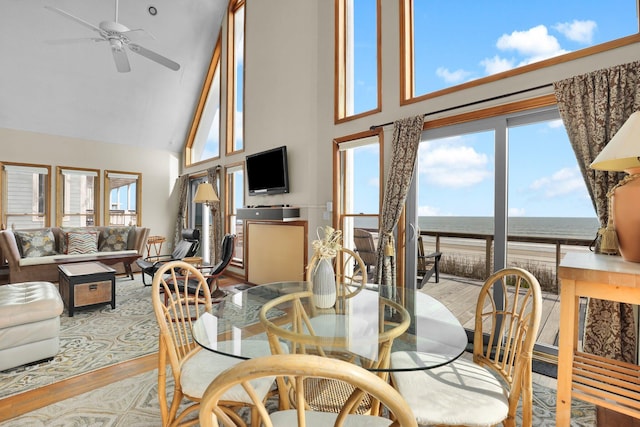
[[159, 169]]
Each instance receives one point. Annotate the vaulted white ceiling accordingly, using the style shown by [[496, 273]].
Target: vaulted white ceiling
[[74, 89]]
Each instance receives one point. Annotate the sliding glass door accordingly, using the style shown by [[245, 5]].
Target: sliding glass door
[[498, 192]]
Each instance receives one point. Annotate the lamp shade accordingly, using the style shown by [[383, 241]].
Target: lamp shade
[[205, 194], [621, 153]]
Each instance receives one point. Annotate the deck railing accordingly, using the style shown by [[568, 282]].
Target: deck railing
[[558, 242]]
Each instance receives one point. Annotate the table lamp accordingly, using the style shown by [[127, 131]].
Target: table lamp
[[622, 154]]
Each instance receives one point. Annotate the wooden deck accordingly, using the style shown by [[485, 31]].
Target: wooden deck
[[460, 296]]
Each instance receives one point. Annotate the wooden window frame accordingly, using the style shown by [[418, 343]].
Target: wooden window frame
[[107, 196], [229, 206], [216, 62], [234, 6], [60, 200], [407, 64], [338, 188], [340, 63], [3, 190]]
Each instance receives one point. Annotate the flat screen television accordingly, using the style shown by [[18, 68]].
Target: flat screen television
[[268, 172]]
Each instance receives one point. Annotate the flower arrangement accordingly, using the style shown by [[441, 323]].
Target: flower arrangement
[[328, 245]]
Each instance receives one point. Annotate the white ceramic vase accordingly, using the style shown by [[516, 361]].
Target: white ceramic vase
[[324, 284]]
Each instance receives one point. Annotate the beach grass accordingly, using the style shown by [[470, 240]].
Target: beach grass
[[474, 268]]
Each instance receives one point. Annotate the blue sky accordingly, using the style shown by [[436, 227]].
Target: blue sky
[[456, 174]]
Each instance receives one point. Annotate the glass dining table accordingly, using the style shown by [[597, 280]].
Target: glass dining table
[[366, 326]]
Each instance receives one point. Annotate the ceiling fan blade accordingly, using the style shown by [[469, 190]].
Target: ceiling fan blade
[[77, 40], [122, 62], [74, 18], [154, 56], [138, 34]]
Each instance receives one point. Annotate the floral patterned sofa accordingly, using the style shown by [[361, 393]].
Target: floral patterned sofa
[[34, 255]]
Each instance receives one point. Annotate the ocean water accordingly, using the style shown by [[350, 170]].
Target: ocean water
[[574, 228]]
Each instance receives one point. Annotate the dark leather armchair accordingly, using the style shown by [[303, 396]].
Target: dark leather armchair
[[212, 273], [186, 247]]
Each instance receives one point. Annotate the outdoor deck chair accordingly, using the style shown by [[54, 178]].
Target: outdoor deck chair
[[427, 265], [365, 247], [186, 247]]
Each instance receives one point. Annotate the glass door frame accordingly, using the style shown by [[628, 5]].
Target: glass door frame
[[500, 124]]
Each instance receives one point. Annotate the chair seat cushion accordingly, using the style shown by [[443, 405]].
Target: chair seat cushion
[[458, 393], [289, 418], [200, 369]]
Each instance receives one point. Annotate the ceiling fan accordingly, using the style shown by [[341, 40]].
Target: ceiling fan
[[118, 37]]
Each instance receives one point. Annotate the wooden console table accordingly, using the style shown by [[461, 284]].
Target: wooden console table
[[605, 382]]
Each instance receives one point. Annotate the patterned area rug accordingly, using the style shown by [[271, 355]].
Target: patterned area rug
[[93, 338], [133, 402]]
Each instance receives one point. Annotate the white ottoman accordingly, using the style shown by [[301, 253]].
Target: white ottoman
[[29, 323]]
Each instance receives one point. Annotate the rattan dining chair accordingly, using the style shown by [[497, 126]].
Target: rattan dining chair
[[303, 331], [298, 368], [193, 368], [485, 391]]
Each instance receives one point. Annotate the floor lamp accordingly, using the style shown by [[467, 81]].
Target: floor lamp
[[206, 195], [622, 153]]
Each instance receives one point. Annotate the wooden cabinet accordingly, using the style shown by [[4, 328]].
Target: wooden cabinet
[[276, 251], [605, 382]]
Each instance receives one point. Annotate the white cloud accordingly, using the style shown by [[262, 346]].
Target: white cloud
[[578, 31], [517, 212], [449, 163], [453, 77], [554, 124], [561, 183], [532, 45], [428, 211], [374, 182], [496, 65], [535, 42]]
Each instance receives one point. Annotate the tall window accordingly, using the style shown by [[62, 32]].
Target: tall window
[[123, 196], [235, 76], [234, 200], [358, 58], [203, 142], [77, 196], [358, 161], [26, 195], [442, 47]]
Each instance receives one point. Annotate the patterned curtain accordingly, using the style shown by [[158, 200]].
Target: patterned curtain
[[215, 238], [183, 186], [406, 139], [593, 107]]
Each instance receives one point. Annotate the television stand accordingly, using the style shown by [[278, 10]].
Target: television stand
[[269, 213]]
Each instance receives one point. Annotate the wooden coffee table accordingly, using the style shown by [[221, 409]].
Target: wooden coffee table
[[86, 283]]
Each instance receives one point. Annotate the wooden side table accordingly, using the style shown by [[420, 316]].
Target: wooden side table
[[86, 283], [155, 242], [604, 382]]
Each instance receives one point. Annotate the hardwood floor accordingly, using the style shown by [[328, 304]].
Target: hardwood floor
[[23, 403]]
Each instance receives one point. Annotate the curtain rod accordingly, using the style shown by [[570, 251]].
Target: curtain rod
[[468, 104]]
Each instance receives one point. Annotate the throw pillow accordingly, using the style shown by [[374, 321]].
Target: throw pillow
[[36, 243], [81, 243], [65, 230], [114, 239]]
